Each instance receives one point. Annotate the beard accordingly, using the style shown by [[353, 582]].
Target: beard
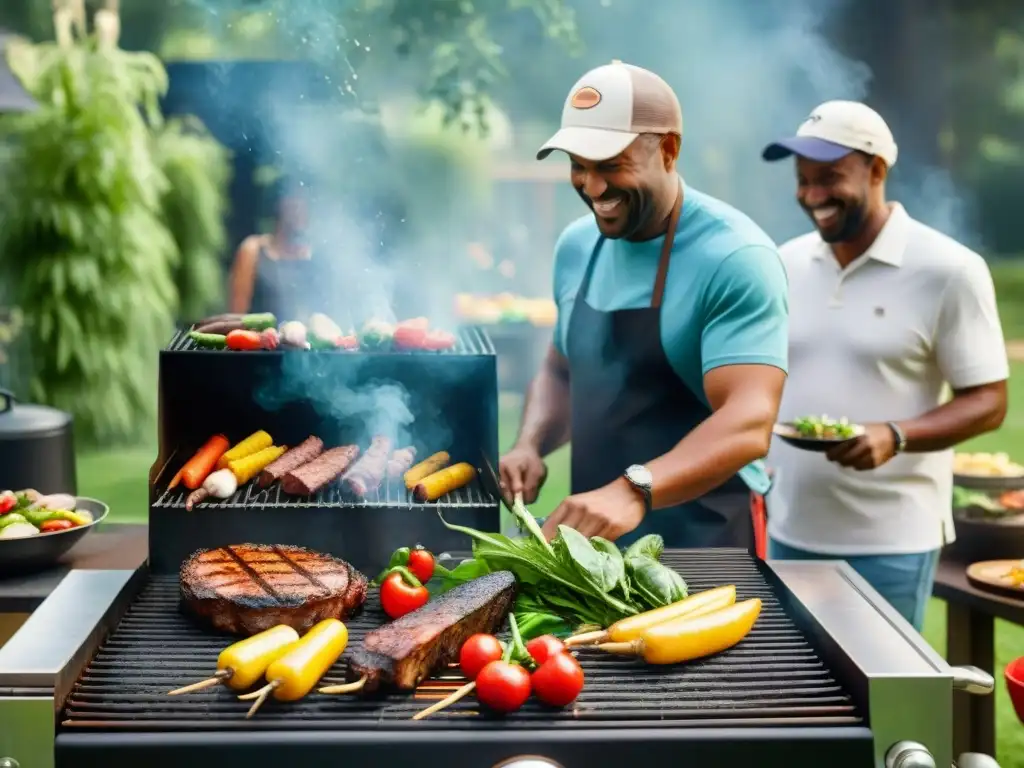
[[635, 211], [847, 223]]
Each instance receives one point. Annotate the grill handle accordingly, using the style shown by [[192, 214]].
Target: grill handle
[[972, 680]]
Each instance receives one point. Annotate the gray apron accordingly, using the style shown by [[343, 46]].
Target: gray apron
[[629, 406]]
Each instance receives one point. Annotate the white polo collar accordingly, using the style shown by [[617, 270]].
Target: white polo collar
[[888, 247]]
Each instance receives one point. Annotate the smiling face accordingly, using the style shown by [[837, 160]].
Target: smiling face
[[627, 192], [840, 196]]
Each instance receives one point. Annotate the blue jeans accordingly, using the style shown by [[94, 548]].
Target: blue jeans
[[904, 580]]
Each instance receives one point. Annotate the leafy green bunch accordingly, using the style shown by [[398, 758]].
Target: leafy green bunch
[[571, 581]]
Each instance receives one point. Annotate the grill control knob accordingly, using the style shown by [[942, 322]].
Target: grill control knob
[[909, 754], [9, 762], [525, 761]]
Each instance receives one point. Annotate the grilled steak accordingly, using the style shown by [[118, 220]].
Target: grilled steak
[[301, 454], [247, 588], [314, 475], [368, 473], [400, 461], [405, 652]]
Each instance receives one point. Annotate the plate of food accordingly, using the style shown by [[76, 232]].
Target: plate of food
[[1003, 576], [817, 433], [987, 471], [36, 530]]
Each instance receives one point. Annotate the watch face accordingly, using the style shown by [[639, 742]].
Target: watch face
[[640, 475]]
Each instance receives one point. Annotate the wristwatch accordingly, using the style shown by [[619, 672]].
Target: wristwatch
[[640, 478], [900, 439]]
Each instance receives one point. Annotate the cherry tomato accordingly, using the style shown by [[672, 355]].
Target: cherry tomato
[[347, 342], [398, 597], [477, 652], [8, 501], [56, 525], [421, 563], [502, 686], [544, 647], [558, 681]]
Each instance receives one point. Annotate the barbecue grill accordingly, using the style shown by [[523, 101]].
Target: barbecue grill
[[829, 674], [434, 401]]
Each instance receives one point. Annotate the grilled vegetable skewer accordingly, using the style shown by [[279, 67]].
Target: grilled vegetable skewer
[[633, 627], [294, 674], [690, 638], [243, 663]]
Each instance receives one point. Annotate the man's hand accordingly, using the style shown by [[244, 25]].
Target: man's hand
[[522, 471], [610, 512], [872, 449]]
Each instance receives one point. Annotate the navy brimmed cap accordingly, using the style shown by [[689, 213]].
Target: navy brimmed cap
[[834, 130]]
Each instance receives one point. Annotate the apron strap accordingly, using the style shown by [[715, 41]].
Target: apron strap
[[666, 251]]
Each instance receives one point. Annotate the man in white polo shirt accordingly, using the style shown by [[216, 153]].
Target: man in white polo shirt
[[885, 312]]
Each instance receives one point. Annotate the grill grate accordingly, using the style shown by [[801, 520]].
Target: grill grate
[[773, 678], [469, 340], [391, 495]]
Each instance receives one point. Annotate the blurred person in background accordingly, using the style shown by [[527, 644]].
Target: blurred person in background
[[884, 313], [669, 351], [274, 272]]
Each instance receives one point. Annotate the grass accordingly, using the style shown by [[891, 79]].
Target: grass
[[120, 478]]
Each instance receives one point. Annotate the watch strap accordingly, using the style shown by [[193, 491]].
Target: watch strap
[[644, 491], [899, 435]]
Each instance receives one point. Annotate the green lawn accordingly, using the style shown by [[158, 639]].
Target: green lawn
[[120, 477]]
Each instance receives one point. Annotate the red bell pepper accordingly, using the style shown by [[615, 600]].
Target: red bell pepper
[[402, 593]]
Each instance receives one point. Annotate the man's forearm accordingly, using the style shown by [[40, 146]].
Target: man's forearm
[[717, 449], [546, 413], [970, 413]]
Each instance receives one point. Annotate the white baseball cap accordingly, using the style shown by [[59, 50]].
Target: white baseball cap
[[609, 107], [834, 130]]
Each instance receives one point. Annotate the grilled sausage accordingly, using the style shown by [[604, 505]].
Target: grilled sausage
[[301, 454], [314, 475], [368, 473]]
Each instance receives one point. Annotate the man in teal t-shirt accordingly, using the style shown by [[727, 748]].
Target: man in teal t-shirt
[[669, 355]]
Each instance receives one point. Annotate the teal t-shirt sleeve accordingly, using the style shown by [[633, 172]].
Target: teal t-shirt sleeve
[[563, 256], [746, 311]]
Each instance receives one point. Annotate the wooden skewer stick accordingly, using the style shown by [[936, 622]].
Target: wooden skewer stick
[[346, 688], [260, 696], [448, 700], [221, 676], [587, 638]]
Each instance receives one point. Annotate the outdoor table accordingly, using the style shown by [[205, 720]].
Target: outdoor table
[[970, 639]]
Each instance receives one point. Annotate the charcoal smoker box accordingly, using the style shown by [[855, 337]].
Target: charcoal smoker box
[[432, 400]]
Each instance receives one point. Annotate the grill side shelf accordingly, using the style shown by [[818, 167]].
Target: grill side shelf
[[773, 679]]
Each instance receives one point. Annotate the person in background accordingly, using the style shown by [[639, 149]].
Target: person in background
[[669, 352], [884, 313], [273, 272]]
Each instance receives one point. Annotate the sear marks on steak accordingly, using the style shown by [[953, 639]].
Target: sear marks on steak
[[247, 588], [406, 651]]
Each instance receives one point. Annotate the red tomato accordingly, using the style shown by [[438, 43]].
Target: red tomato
[[56, 525], [421, 563], [502, 686], [558, 681], [398, 597], [477, 652], [409, 337], [438, 340], [544, 647], [347, 342], [8, 501]]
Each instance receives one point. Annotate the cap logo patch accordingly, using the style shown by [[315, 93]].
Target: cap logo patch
[[585, 98]]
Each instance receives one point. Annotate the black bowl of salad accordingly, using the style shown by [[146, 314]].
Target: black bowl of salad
[[817, 433], [37, 530]]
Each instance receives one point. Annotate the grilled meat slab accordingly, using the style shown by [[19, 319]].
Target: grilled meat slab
[[247, 588], [407, 651], [301, 454], [314, 475]]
